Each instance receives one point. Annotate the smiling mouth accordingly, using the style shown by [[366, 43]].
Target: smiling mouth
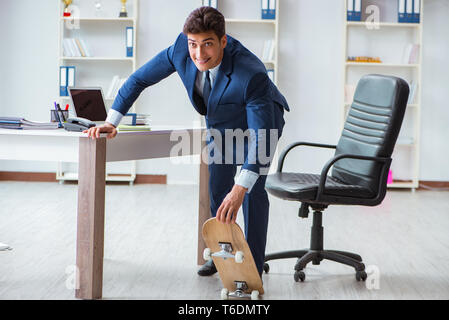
[[202, 61]]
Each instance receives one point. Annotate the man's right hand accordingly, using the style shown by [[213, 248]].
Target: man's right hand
[[108, 128]]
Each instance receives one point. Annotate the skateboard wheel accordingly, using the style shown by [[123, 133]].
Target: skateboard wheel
[[224, 294], [206, 254], [255, 295], [239, 257]]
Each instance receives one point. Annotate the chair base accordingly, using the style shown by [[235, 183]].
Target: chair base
[[316, 253], [316, 256]]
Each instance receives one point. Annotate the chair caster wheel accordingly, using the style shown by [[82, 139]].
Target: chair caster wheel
[[300, 275], [361, 275], [266, 267]]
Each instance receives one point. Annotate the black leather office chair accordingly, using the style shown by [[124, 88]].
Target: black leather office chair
[[360, 168]]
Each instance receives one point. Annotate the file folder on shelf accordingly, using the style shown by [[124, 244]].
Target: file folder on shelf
[[416, 10], [357, 10], [210, 3], [71, 77], [408, 11], [350, 10], [401, 11], [129, 42], [272, 9], [63, 92], [265, 9]]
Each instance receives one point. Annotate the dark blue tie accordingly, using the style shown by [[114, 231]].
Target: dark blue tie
[[206, 88]]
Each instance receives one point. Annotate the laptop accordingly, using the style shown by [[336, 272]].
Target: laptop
[[89, 103]]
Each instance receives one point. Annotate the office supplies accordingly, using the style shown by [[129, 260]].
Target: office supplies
[[272, 9], [77, 124], [70, 77], [4, 247], [88, 103], [416, 11], [124, 127], [350, 10], [357, 10], [401, 11], [408, 11], [21, 123], [129, 41], [57, 116], [265, 9], [60, 112], [233, 260], [63, 82]]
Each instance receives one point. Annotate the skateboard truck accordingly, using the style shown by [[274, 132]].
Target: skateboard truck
[[240, 292], [225, 253]]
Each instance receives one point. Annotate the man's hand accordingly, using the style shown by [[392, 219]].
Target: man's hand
[[94, 132], [227, 213]]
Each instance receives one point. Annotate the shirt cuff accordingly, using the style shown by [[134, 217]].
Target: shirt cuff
[[114, 117], [247, 179]]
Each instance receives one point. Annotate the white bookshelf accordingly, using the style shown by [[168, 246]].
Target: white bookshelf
[[246, 25], [104, 34], [243, 20], [392, 34]]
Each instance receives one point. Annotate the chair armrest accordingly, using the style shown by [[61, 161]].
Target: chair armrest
[[330, 163], [296, 144]]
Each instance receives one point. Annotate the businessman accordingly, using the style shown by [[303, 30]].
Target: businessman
[[229, 86]]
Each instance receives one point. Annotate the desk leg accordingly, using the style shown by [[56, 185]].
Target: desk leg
[[90, 229], [204, 204]]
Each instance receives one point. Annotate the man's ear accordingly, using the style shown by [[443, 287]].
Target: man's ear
[[224, 41]]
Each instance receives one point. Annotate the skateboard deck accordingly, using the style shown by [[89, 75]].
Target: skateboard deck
[[218, 236]]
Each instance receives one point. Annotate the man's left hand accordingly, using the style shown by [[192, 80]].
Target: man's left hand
[[227, 213]]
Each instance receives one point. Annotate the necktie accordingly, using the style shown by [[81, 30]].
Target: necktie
[[206, 88]]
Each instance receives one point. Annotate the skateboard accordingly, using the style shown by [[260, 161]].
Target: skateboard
[[227, 247]]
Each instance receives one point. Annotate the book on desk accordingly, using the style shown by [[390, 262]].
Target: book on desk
[[23, 124]]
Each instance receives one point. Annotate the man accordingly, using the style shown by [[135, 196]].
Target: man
[[229, 86]]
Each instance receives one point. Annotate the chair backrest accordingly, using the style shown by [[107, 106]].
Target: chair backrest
[[371, 128]]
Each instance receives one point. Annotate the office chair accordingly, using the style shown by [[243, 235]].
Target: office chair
[[360, 168]]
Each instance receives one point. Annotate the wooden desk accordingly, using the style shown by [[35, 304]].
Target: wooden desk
[[92, 155]]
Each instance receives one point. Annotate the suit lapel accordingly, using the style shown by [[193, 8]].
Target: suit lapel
[[192, 71], [221, 82]]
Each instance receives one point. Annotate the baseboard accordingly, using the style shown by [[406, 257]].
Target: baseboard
[[51, 177], [431, 185]]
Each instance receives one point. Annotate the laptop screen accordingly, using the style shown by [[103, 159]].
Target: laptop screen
[[89, 104]]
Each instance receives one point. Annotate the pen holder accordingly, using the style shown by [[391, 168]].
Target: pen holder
[[53, 117]]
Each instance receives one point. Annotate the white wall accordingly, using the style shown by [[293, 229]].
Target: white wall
[[310, 76]]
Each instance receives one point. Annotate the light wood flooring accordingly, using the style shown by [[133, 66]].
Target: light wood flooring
[[151, 234]]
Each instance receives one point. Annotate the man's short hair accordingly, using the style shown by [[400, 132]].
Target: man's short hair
[[205, 19]]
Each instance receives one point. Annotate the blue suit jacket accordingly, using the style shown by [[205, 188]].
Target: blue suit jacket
[[242, 97]]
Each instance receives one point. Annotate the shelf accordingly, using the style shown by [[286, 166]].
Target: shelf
[[68, 98], [73, 176], [265, 21], [383, 24], [99, 19], [388, 65], [97, 59], [406, 184]]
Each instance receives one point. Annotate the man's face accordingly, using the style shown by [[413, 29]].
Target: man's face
[[206, 50]]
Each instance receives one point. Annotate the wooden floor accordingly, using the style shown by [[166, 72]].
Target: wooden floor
[[150, 245]]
